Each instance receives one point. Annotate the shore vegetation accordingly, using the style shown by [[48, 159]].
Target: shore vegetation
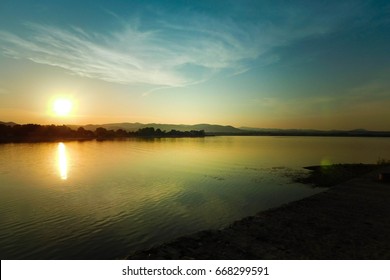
[[332, 175], [42, 133]]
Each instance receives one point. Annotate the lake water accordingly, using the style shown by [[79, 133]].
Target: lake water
[[88, 200]]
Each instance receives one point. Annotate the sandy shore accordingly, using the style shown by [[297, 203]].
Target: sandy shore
[[348, 221]]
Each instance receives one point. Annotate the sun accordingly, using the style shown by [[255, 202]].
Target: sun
[[62, 107]]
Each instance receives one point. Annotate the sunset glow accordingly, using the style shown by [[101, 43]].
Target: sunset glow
[[145, 130], [62, 107], [259, 64]]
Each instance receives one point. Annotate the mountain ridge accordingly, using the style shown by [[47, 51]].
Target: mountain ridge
[[215, 129], [208, 128]]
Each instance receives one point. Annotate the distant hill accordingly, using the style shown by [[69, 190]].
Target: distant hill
[[313, 132], [214, 129], [8, 123], [279, 130], [208, 128]]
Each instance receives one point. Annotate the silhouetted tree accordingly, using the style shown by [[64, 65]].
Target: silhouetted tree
[[36, 132], [101, 132], [83, 133], [120, 133], [146, 132]]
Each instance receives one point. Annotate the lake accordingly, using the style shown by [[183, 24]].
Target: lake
[[103, 200]]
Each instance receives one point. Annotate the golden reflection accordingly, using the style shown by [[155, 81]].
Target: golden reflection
[[62, 161]]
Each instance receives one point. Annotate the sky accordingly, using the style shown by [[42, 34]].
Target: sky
[[266, 64]]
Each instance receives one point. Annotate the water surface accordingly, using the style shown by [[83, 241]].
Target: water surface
[[87, 200]]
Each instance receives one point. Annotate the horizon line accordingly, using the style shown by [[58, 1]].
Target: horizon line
[[244, 128]]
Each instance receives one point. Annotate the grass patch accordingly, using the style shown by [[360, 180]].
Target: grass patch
[[331, 175]]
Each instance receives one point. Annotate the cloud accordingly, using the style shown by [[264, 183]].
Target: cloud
[[176, 52]]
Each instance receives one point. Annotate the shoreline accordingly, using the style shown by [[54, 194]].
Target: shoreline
[[347, 221]]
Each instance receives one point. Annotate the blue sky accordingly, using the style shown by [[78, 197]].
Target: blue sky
[[286, 64]]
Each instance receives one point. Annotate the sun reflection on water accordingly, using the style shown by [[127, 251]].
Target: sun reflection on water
[[62, 161]]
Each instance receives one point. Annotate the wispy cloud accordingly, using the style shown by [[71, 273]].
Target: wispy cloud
[[177, 57], [173, 53]]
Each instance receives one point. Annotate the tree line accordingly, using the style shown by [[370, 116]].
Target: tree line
[[36, 132]]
